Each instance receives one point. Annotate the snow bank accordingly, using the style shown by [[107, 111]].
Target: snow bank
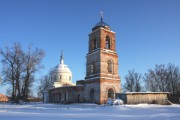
[[37, 111]]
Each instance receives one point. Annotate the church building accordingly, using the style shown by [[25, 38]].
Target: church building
[[102, 80]]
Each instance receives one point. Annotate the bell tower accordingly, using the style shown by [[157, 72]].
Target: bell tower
[[102, 78]]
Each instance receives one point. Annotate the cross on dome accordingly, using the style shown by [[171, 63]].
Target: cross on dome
[[62, 58], [101, 13], [101, 23]]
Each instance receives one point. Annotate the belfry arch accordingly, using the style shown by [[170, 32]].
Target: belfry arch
[[108, 42]]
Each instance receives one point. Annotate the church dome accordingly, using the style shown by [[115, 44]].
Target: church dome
[[101, 24], [62, 68], [61, 74]]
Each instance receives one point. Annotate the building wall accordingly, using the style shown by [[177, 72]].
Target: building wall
[[140, 97], [66, 94], [89, 86], [62, 77], [105, 85], [92, 59], [106, 55]]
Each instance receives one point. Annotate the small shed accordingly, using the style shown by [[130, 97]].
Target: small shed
[[3, 98], [144, 97]]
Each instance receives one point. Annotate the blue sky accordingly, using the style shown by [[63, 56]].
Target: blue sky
[[147, 31]]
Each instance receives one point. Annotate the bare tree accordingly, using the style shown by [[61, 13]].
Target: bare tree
[[44, 84], [133, 81], [150, 81], [163, 79], [19, 61], [19, 69], [157, 79], [173, 78], [12, 63], [32, 65]]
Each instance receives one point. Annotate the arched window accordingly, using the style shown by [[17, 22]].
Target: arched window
[[109, 66], [92, 68], [55, 78], [108, 41], [94, 44]]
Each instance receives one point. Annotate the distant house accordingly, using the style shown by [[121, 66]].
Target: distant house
[[3, 98]]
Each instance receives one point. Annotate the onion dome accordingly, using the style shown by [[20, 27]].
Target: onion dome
[[101, 24]]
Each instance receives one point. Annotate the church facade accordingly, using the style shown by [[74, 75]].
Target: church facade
[[102, 80]]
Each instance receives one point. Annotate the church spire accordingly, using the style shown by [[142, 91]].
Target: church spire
[[101, 16], [62, 58]]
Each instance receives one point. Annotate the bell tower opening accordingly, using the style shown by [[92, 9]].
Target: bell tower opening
[[108, 45], [94, 44]]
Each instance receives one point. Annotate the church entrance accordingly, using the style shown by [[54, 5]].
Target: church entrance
[[111, 93], [92, 96]]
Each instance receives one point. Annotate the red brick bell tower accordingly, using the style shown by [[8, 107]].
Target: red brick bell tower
[[102, 80]]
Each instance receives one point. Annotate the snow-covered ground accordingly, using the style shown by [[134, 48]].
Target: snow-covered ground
[[40, 111]]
